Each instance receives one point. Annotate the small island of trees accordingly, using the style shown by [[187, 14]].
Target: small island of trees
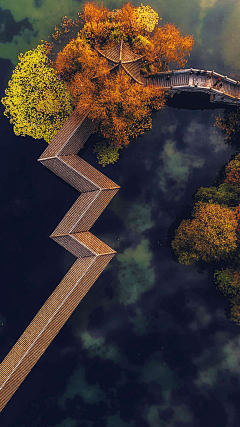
[[212, 235], [67, 71]]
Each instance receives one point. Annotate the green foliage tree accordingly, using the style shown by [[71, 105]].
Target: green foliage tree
[[229, 123], [224, 194], [228, 281], [235, 309], [37, 101], [106, 153]]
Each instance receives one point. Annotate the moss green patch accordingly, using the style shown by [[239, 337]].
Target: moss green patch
[[67, 422], [135, 216], [116, 421], [78, 386], [9, 28], [230, 39], [43, 20], [135, 275], [140, 323], [176, 170], [98, 347]]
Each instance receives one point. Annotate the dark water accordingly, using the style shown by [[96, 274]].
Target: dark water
[[150, 344]]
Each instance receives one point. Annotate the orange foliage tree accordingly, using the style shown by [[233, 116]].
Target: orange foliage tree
[[78, 61], [138, 26], [232, 171], [214, 233], [168, 46], [121, 106], [209, 236], [237, 212]]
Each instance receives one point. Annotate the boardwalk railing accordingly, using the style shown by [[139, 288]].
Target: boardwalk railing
[[221, 88]]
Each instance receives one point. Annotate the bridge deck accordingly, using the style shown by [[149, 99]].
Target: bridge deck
[[220, 88]]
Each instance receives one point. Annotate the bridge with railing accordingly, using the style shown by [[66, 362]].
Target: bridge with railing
[[221, 88]]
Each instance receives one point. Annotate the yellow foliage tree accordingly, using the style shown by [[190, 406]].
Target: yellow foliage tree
[[146, 18], [209, 236], [37, 101], [106, 153]]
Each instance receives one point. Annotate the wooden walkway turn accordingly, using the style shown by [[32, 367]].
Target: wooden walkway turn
[[61, 157], [73, 234]]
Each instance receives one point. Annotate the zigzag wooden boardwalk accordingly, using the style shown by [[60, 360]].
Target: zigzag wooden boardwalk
[[73, 234], [96, 192], [221, 88]]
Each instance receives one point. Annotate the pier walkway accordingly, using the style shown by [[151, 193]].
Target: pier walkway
[[221, 88]]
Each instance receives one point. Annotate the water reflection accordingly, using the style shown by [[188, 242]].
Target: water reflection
[[150, 345]]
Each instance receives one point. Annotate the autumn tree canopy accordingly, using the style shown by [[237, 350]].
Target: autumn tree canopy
[[122, 107], [228, 281], [37, 101], [69, 71], [213, 233], [209, 236], [224, 194], [235, 310], [232, 171], [138, 26]]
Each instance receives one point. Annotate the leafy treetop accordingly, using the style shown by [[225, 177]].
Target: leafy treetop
[[229, 123], [209, 236], [37, 101], [138, 26], [214, 233], [68, 72]]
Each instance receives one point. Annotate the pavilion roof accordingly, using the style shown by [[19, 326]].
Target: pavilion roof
[[122, 56]]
